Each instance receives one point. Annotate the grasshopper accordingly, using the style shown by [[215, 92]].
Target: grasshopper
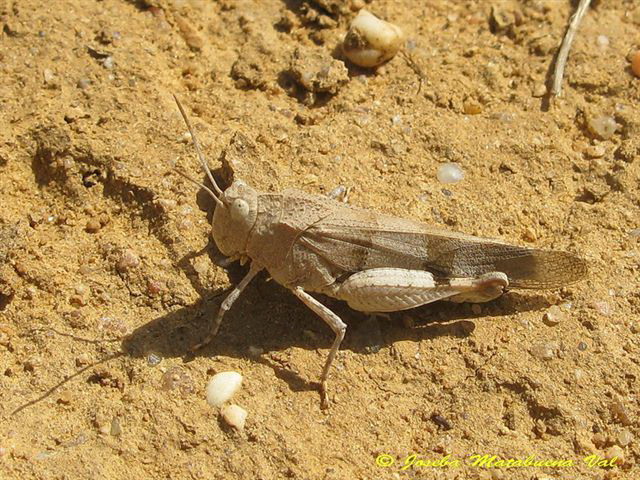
[[374, 262]]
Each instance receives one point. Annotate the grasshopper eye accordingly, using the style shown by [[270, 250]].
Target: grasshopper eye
[[239, 209]]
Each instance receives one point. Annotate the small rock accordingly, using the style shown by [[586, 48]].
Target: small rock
[[371, 41], [621, 413], [553, 316], [234, 416], [65, 398], [177, 378], [115, 430], [449, 173], [544, 350], [602, 41], [49, 78], [83, 83], [624, 438], [82, 360], [155, 287], [93, 226], [540, 90], [127, 261], [115, 326], [599, 440], [471, 107], [317, 72], [108, 63], [529, 235], [602, 127], [616, 452], [222, 386], [168, 204], [153, 359]]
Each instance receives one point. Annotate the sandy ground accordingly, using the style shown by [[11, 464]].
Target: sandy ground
[[108, 275]]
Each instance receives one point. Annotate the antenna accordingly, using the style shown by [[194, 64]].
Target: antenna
[[203, 161]]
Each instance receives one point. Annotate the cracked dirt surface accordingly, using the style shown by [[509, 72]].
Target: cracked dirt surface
[[106, 265]]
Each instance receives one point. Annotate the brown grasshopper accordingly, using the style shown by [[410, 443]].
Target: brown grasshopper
[[374, 262]]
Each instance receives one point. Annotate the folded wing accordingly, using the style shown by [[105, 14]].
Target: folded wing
[[353, 240]]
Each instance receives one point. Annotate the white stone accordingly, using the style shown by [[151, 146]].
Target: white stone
[[234, 415], [371, 41], [222, 387], [450, 173]]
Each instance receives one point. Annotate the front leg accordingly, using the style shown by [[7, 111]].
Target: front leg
[[226, 304], [395, 289], [338, 327]]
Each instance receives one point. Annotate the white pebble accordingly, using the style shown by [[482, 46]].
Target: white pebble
[[603, 41], [371, 41], [624, 438], [222, 387], [450, 173], [234, 416], [603, 126]]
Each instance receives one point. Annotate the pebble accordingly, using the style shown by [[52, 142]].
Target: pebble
[[114, 326], [222, 386], [153, 359], [449, 173], [543, 350], [621, 413], [602, 41], [155, 287], [168, 204], [115, 430], [93, 226], [65, 398], [540, 90], [599, 439], [127, 261], [177, 378], [624, 438], [82, 360], [603, 126], [371, 41], [635, 63], [83, 83], [108, 63], [553, 316], [49, 78], [234, 416], [617, 452], [471, 107]]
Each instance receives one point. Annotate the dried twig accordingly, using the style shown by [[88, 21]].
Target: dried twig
[[561, 61]]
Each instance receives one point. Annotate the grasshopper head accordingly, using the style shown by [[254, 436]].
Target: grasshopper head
[[233, 219]]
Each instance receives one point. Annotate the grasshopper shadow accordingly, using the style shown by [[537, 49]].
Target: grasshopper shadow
[[269, 317]]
